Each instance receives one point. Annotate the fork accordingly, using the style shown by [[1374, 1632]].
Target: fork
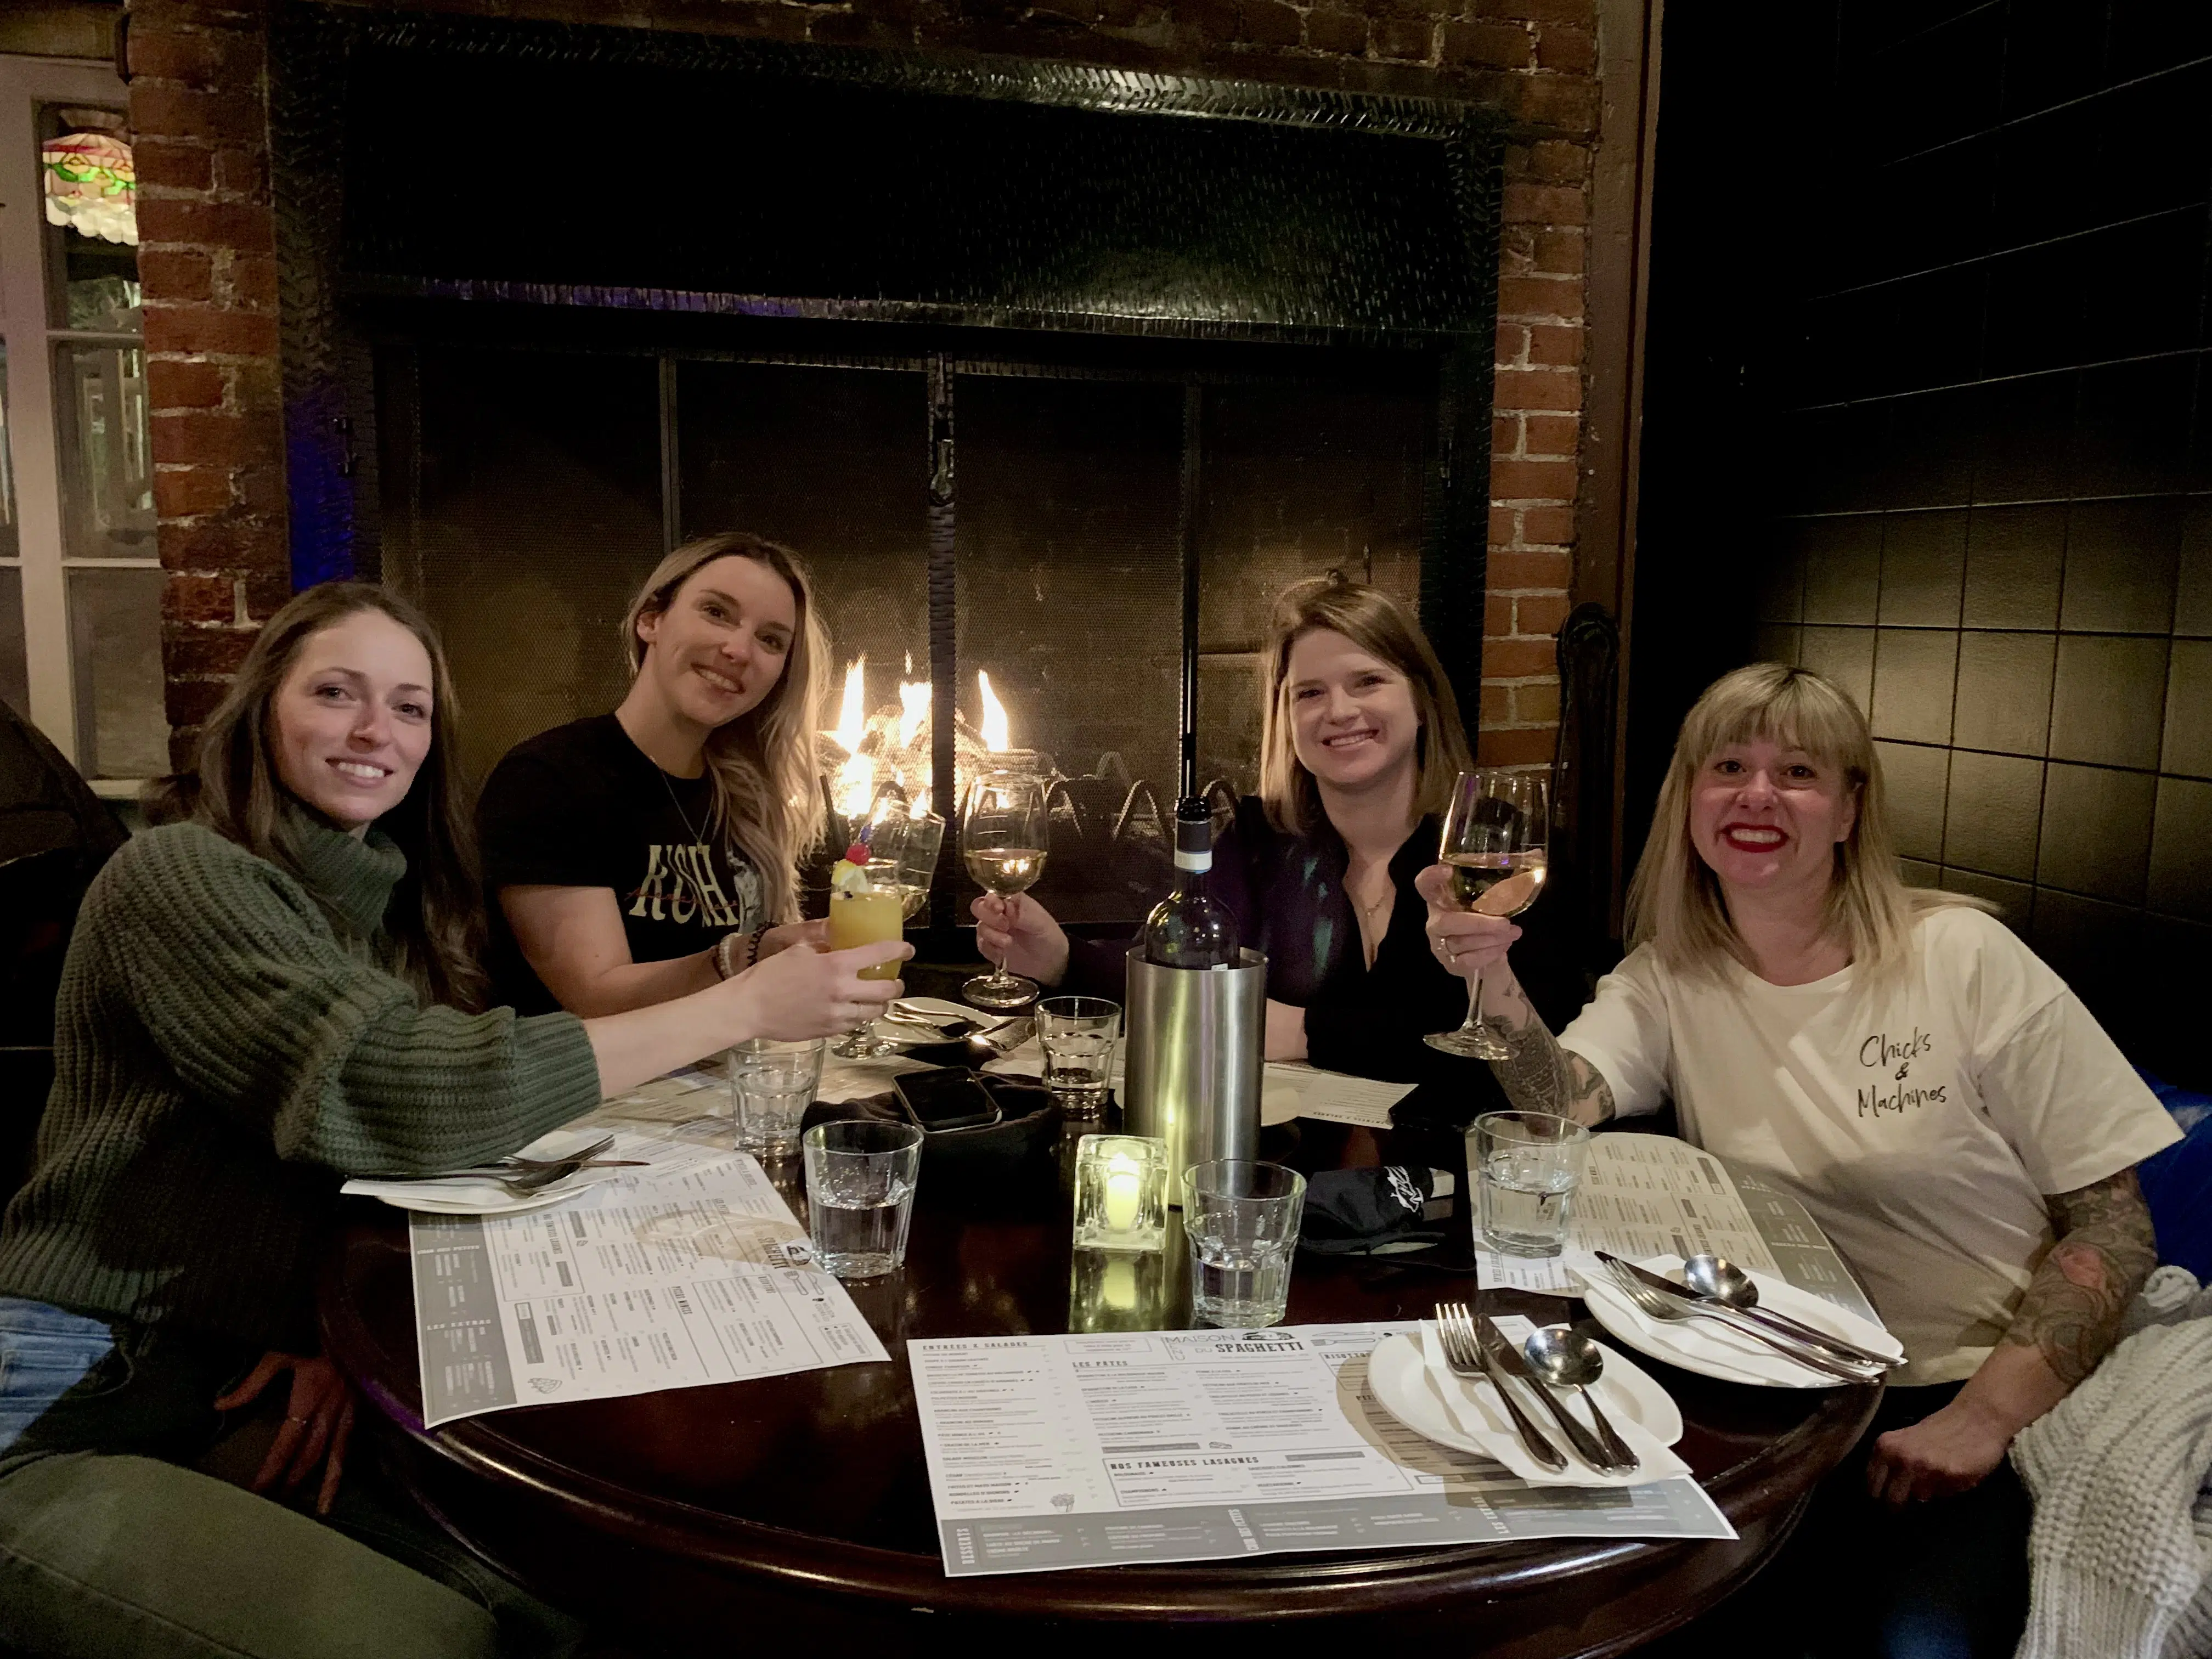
[[1656, 1307], [525, 1177], [1464, 1355]]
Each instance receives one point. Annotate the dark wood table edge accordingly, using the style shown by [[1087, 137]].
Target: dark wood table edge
[[1286, 1587]]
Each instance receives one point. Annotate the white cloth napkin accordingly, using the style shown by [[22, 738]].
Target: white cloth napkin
[[1474, 1410], [1730, 1353], [478, 1193]]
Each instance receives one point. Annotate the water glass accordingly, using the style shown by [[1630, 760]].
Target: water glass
[[1527, 1166], [1242, 1220], [859, 1194], [1077, 1035], [771, 1085]]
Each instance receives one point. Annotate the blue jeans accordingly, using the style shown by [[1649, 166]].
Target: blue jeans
[[110, 1543], [44, 1353], [1945, 1579]]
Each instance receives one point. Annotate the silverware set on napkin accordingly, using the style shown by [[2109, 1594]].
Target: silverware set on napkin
[[526, 1176], [1474, 1348], [1723, 1293]]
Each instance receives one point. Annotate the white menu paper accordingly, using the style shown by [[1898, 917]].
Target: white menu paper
[[1288, 1089], [1053, 1452], [691, 1271], [1643, 1195]]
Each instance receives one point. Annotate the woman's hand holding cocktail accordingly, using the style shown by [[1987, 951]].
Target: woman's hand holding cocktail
[[1465, 943], [797, 994], [813, 934], [1015, 929]]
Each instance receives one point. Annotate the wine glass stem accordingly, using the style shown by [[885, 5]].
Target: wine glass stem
[[1474, 1003]]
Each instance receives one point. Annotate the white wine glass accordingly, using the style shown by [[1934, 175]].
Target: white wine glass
[[1002, 838], [1494, 842]]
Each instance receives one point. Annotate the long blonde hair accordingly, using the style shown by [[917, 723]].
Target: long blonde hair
[[1676, 901], [768, 796], [1378, 625]]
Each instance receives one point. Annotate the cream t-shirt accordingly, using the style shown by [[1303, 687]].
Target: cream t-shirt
[[1921, 1125]]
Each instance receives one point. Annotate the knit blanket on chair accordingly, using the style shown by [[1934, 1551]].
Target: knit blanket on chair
[[2121, 1548]]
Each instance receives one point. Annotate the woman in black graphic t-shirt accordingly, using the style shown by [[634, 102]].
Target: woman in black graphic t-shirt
[[636, 856]]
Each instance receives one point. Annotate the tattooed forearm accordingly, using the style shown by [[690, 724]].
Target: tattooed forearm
[[2070, 1312], [1539, 1076]]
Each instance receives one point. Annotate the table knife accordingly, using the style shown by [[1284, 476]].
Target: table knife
[[1502, 1356], [1823, 1355]]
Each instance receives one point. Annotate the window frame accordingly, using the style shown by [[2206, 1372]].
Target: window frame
[[28, 84]]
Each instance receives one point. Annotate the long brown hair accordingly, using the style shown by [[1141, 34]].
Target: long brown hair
[[1380, 626], [765, 765], [1675, 901], [436, 919]]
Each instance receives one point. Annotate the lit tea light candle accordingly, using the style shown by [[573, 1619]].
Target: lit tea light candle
[[1121, 1182], [1120, 1192]]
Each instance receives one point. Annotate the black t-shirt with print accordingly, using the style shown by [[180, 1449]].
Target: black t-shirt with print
[[582, 805]]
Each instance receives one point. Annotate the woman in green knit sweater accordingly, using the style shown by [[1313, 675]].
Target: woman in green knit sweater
[[279, 992]]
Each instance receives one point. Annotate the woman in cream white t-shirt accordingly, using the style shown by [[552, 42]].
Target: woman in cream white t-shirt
[[1944, 1107]]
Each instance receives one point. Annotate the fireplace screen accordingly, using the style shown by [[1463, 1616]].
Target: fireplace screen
[[526, 492]]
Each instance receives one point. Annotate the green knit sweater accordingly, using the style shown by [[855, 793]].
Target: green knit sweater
[[228, 1048]]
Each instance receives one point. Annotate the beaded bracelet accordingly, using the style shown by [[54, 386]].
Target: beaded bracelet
[[720, 955]]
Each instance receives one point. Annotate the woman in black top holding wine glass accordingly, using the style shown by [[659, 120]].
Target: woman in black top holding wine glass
[[1360, 746]]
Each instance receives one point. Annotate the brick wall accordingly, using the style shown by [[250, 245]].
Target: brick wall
[[197, 104], [207, 259]]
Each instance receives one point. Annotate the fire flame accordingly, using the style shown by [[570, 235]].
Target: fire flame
[[997, 735], [914, 711], [888, 749], [853, 711]]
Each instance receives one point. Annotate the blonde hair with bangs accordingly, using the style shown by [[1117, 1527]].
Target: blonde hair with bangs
[[1675, 901], [768, 798], [1380, 626]]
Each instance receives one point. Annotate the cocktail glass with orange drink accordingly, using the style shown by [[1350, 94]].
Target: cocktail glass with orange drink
[[864, 912]]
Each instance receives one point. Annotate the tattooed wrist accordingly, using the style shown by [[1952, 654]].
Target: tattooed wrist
[[2070, 1311], [1539, 1076]]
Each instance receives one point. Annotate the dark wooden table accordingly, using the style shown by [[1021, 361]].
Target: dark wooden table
[[800, 1505]]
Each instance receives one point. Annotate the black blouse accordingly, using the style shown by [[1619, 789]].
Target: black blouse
[[1287, 894]]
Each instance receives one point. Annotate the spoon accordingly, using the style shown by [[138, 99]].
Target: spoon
[[1566, 1359], [1719, 1280]]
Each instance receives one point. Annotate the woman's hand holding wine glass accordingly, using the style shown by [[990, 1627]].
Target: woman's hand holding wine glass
[[1002, 835], [1015, 929], [1493, 864]]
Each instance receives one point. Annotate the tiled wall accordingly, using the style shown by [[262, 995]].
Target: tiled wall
[[1996, 467]]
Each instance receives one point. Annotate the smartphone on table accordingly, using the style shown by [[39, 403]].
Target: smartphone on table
[[947, 1098]]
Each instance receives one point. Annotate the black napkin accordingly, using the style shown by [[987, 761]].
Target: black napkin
[[996, 1168], [1367, 1212]]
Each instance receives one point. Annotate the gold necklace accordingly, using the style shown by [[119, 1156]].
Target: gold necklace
[[1367, 909], [699, 838]]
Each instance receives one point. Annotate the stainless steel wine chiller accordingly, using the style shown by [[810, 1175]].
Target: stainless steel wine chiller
[[1191, 1076]]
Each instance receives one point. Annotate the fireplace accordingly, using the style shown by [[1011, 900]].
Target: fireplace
[[1050, 374]]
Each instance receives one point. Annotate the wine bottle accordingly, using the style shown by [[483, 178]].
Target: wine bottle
[[1189, 928]]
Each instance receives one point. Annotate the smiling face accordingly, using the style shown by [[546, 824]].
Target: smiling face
[[721, 644], [351, 725], [1766, 817], [1352, 719]]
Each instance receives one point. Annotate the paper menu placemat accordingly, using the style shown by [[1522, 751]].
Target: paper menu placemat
[[1644, 1195], [1053, 1452], [692, 1271], [1288, 1089]]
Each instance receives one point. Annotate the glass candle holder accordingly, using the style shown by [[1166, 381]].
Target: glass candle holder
[[1120, 1192]]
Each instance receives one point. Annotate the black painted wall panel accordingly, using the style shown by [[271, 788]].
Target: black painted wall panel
[[1975, 371]]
